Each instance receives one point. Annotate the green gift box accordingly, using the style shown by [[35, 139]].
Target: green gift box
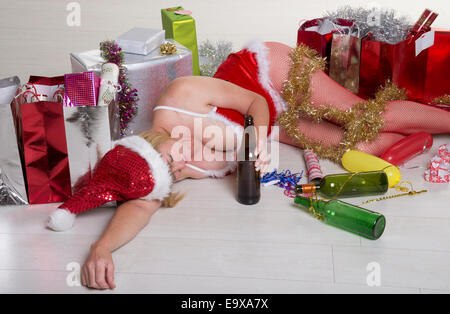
[[182, 29]]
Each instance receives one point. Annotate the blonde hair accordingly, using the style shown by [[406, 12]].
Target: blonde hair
[[156, 139]]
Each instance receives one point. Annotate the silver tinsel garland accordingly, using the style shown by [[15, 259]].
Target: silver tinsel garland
[[212, 55], [386, 25]]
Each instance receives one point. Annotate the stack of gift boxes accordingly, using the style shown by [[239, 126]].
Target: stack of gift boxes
[[55, 130], [148, 71]]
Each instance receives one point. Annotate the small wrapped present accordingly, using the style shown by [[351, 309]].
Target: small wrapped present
[[439, 169], [149, 74], [81, 89], [141, 41], [180, 26], [12, 184]]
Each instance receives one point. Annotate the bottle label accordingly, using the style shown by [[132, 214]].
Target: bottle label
[[308, 189]]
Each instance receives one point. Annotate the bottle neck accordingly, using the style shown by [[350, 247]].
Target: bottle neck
[[307, 188], [306, 203], [247, 151]]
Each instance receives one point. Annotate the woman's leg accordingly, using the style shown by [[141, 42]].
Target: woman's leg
[[405, 117], [400, 116], [331, 135]]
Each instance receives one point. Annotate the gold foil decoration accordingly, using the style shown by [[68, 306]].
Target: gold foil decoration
[[168, 49], [443, 100], [362, 122]]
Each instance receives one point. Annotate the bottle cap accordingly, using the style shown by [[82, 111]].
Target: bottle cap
[[248, 120]]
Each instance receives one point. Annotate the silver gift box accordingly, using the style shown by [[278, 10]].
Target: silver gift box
[[149, 74], [12, 184], [141, 41]]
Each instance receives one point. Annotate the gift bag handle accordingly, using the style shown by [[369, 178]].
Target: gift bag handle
[[59, 93], [28, 90]]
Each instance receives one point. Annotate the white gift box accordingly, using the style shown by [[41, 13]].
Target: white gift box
[[141, 41], [149, 74]]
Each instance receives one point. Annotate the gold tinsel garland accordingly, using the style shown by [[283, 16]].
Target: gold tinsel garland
[[443, 100], [362, 122]]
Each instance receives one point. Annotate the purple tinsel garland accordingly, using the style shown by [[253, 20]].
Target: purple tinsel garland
[[128, 97]]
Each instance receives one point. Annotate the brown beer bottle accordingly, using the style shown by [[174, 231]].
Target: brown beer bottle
[[248, 179]]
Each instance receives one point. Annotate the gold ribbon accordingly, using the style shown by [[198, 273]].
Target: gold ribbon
[[409, 191], [443, 100], [167, 49]]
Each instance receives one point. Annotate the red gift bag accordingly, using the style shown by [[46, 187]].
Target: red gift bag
[[318, 34], [43, 142], [345, 60], [381, 61], [438, 68]]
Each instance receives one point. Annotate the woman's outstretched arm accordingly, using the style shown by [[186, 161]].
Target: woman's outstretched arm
[[130, 218]]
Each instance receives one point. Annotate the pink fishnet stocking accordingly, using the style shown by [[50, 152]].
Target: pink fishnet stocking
[[401, 117]]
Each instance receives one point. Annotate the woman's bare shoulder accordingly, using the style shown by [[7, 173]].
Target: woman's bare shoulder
[[189, 92]]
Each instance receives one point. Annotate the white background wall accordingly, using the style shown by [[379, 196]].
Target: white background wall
[[35, 38]]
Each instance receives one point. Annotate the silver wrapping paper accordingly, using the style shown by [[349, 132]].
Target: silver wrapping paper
[[141, 41], [149, 74], [88, 135], [12, 184]]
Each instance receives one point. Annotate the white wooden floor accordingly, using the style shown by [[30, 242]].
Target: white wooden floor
[[211, 244]]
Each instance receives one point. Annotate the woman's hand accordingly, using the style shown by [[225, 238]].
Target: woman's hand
[[263, 162], [98, 270]]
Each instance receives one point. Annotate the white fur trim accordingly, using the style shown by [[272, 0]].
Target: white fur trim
[[159, 168], [61, 220], [236, 127], [261, 52], [231, 167]]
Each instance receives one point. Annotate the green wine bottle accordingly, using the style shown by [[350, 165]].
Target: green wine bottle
[[348, 217], [348, 185]]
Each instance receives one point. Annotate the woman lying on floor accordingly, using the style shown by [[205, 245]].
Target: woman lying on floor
[[140, 170]]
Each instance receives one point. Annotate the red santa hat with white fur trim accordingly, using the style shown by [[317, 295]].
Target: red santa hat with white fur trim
[[133, 169]]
